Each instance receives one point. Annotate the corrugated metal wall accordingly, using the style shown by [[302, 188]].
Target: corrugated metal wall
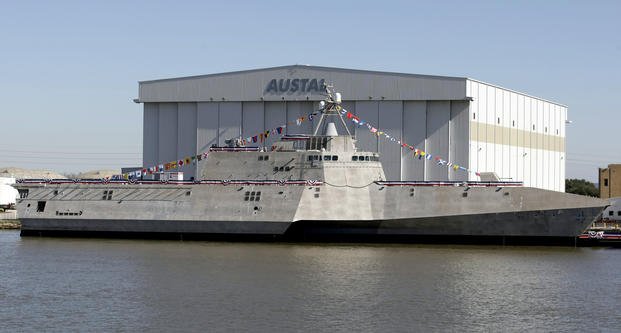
[[517, 136], [176, 130]]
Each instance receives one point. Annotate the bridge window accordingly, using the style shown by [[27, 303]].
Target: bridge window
[[316, 143], [23, 193], [107, 195]]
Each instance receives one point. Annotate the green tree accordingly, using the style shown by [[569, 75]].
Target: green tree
[[582, 187]]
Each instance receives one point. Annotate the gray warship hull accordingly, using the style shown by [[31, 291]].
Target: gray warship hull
[[301, 210]]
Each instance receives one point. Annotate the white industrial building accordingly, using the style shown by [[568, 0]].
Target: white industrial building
[[481, 126]]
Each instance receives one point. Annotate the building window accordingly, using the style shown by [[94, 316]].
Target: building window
[[546, 129], [474, 115], [611, 213], [513, 123], [533, 127], [619, 213], [40, 206], [354, 158], [498, 120], [335, 158], [605, 181]]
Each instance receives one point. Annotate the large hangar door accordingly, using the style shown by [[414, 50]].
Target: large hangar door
[[186, 136], [229, 126], [438, 117], [275, 115], [252, 120], [391, 122], [459, 136], [414, 133], [367, 111], [207, 120], [296, 110]]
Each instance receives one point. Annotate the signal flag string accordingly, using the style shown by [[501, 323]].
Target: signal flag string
[[280, 130]]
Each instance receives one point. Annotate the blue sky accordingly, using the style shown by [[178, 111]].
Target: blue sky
[[69, 70]]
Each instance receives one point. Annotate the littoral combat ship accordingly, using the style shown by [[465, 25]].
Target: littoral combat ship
[[304, 187]]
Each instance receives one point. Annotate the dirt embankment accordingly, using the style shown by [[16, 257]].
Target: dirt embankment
[[10, 224]]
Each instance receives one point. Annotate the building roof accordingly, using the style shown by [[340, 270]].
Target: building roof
[[323, 68], [354, 84], [259, 84]]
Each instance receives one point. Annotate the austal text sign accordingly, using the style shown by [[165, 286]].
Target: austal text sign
[[295, 85]]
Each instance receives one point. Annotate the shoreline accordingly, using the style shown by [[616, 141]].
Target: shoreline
[[10, 225]]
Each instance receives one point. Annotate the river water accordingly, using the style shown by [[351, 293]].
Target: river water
[[61, 285]]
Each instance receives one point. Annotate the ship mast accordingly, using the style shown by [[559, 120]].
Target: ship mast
[[330, 107]]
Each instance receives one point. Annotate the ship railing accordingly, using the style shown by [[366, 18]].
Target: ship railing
[[450, 183], [234, 149], [225, 182], [263, 182]]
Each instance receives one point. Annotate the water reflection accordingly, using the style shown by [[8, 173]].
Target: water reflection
[[86, 285]]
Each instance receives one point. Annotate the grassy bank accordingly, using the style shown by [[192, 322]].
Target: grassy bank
[[10, 224]]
